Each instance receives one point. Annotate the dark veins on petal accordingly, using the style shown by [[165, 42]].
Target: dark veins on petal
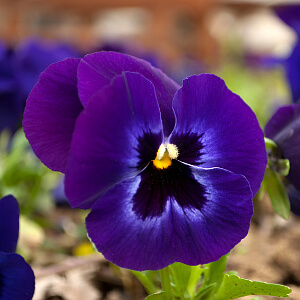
[[157, 186], [190, 147]]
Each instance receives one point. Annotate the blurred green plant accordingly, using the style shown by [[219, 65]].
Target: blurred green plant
[[24, 176]]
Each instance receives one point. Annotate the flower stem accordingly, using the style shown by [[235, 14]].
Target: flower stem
[[165, 282]]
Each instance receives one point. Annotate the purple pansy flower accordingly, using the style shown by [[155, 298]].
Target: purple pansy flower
[[169, 172], [284, 129], [290, 14], [16, 276]]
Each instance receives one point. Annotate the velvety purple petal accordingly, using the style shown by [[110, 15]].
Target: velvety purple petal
[[16, 278], [9, 224], [108, 136], [180, 232], [98, 69], [284, 129], [218, 129], [51, 111], [290, 14]]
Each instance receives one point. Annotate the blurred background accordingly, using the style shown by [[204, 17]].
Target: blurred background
[[242, 41], [169, 29]]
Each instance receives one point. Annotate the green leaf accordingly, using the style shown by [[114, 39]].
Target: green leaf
[[215, 271], [213, 277], [234, 287], [196, 272], [203, 292], [277, 193], [158, 296], [145, 281], [185, 279], [283, 166]]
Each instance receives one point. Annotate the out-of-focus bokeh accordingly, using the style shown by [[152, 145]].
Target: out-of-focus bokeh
[[170, 28], [242, 41]]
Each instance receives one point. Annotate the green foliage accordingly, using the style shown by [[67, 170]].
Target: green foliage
[[157, 296], [23, 175], [207, 282], [277, 193], [235, 287], [273, 184]]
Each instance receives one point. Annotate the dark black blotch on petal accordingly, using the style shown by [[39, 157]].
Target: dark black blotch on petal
[[190, 147], [148, 145], [157, 186]]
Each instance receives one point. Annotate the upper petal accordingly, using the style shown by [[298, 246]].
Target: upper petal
[[219, 129], [51, 111], [192, 227], [111, 138], [9, 224], [284, 129], [98, 69], [16, 278]]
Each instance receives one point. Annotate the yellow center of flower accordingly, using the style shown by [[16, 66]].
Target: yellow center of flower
[[164, 156]]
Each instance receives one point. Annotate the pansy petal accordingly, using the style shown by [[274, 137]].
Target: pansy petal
[[284, 129], [181, 232], [217, 129], [16, 278], [107, 137], [98, 69], [51, 111], [9, 224]]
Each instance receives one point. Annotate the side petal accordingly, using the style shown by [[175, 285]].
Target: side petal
[[98, 69], [180, 233], [284, 129], [220, 129], [51, 111], [16, 278], [9, 224], [107, 144]]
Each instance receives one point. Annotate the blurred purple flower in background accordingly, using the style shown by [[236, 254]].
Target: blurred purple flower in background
[[290, 14], [33, 56], [20, 69], [16, 276], [169, 172], [11, 103], [284, 129]]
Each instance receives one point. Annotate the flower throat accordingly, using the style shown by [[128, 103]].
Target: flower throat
[[164, 156]]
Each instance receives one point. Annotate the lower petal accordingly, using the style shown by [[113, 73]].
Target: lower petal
[[180, 233]]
